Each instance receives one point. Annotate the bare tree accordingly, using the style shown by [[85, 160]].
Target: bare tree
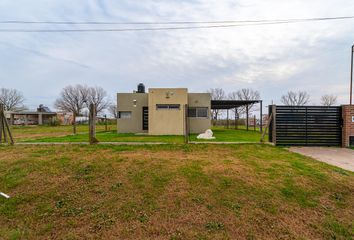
[[328, 100], [216, 94], [245, 94], [299, 98], [113, 110], [98, 96], [72, 99], [12, 99]]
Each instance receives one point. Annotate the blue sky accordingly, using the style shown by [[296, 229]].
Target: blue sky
[[271, 59]]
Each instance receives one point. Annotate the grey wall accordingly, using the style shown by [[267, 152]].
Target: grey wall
[[125, 103]]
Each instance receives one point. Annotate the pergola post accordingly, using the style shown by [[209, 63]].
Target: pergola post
[[227, 122], [247, 117], [235, 118]]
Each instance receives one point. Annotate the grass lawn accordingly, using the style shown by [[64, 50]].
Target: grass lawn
[[231, 135], [64, 134], [23, 133], [111, 136], [172, 192]]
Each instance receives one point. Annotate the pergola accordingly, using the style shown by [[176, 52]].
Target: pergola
[[235, 104]]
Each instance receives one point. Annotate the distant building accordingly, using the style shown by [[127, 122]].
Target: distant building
[[43, 115], [65, 118]]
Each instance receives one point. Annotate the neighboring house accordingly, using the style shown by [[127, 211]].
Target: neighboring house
[[163, 111], [43, 115]]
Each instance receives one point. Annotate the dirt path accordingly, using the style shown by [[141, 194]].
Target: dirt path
[[340, 157]]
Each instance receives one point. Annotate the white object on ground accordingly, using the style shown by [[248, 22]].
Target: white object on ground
[[4, 195], [207, 135]]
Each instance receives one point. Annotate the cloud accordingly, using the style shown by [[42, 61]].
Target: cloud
[[272, 59]]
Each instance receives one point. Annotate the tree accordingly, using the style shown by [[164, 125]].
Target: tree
[[73, 99], [112, 109], [98, 96], [245, 94], [328, 100], [216, 94], [299, 98], [12, 99]]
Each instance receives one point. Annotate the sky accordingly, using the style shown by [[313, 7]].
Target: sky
[[273, 59]]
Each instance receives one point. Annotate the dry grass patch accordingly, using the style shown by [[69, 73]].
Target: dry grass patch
[[171, 192]]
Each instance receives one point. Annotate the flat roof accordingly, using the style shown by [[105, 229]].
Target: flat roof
[[32, 113], [229, 104]]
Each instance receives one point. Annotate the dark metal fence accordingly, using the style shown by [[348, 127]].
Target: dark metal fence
[[306, 126]]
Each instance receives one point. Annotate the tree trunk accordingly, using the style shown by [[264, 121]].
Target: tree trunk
[[74, 123]]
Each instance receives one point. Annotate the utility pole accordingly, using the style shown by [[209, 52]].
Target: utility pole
[[351, 77]]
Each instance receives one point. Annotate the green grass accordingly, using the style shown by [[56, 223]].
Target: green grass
[[231, 135], [23, 133], [221, 134], [172, 192], [112, 136]]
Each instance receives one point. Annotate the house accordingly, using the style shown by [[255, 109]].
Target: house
[[163, 111], [43, 115]]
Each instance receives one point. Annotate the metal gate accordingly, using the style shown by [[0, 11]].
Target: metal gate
[[306, 126]]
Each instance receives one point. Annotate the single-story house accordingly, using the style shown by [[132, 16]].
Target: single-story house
[[43, 115], [163, 111]]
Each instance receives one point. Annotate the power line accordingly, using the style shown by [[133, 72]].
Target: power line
[[243, 24], [172, 22]]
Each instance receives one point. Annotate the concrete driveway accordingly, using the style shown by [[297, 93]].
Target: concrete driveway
[[340, 157]]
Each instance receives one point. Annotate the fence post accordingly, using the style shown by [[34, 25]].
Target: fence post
[[1, 128], [92, 124], [261, 117], [186, 127], [74, 123]]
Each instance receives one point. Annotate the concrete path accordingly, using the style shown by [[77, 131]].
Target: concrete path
[[340, 157]]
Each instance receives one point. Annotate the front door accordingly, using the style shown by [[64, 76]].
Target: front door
[[145, 118]]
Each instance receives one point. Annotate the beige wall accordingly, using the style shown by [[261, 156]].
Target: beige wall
[[199, 125], [163, 121], [167, 121], [126, 103]]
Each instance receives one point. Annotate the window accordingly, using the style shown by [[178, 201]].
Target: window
[[124, 114], [198, 112], [167, 106]]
